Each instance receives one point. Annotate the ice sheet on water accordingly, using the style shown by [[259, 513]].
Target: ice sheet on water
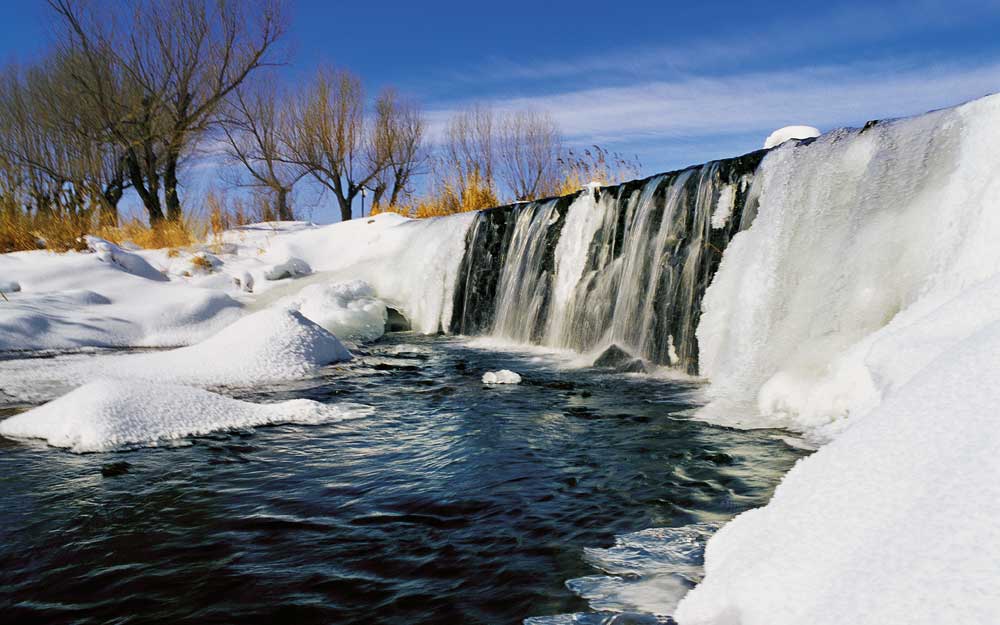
[[647, 574]]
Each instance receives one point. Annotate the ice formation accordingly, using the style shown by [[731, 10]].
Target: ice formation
[[349, 310], [109, 414]]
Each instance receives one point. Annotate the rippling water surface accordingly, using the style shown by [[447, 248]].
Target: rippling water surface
[[451, 503]]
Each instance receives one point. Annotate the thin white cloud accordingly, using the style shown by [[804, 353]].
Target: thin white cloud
[[826, 97]]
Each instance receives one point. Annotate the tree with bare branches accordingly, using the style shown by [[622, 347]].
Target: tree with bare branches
[[528, 151], [254, 128], [398, 139], [158, 73]]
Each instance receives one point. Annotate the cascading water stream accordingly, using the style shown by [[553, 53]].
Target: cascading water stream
[[623, 265]]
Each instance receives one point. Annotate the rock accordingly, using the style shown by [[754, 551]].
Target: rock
[[633, 366], [114, 469], [613, 357]]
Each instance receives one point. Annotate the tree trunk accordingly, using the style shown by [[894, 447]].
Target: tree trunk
[[284, 211], [170, 188], [345, 206], [150, 200]]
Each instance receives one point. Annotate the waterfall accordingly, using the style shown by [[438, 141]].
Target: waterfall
[[624, 265]]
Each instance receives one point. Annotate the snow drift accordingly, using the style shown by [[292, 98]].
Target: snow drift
[[893, 522], [272, 345], [109, 414]]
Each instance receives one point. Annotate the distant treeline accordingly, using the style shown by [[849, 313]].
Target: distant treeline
[[129, 92]]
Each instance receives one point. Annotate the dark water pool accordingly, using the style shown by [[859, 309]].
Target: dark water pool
[[452, 503]]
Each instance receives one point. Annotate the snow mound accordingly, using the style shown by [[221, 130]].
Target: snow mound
[[291, 268], [787, 133], [126, 261], [110, 414], [504, 376], [9, 286], [272, 344], [347, 309], [892, 522]]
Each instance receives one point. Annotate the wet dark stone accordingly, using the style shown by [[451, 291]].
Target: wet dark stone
[[114, 469], [633, 366], [613, 357]]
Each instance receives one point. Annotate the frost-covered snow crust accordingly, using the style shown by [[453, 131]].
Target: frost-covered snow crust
[[863, 307]]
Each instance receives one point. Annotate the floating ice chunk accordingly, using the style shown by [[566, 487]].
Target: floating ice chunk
[[781, 135], [349, 310], [9, 286], [291, 268], [504, 376], [126, 261], [109, 414]]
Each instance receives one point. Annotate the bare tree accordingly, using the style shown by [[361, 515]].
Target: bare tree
[[158, 74], [528, 154], [398, 140], [327, 137], [253, 125], [469, 152]]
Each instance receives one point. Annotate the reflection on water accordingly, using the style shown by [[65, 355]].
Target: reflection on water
[[452, 503]]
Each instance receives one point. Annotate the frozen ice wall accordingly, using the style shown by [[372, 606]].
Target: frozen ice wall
[[820, 307]]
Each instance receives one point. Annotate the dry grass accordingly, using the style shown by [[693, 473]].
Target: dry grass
[[59, 233], [202, 263]]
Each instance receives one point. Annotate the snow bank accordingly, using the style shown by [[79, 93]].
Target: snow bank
[[504, 376], [271, 345], [863, 307], [839, 290], [110, 414], [347, 309], [411, 264], [126, 261], [893, 522], [787, 133]]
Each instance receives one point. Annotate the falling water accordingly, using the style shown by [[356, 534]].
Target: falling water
[[624, 265]]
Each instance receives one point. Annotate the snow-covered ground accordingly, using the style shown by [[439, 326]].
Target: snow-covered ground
[[264, 303]]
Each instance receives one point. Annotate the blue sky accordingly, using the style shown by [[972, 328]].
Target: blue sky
[[674, 83]]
